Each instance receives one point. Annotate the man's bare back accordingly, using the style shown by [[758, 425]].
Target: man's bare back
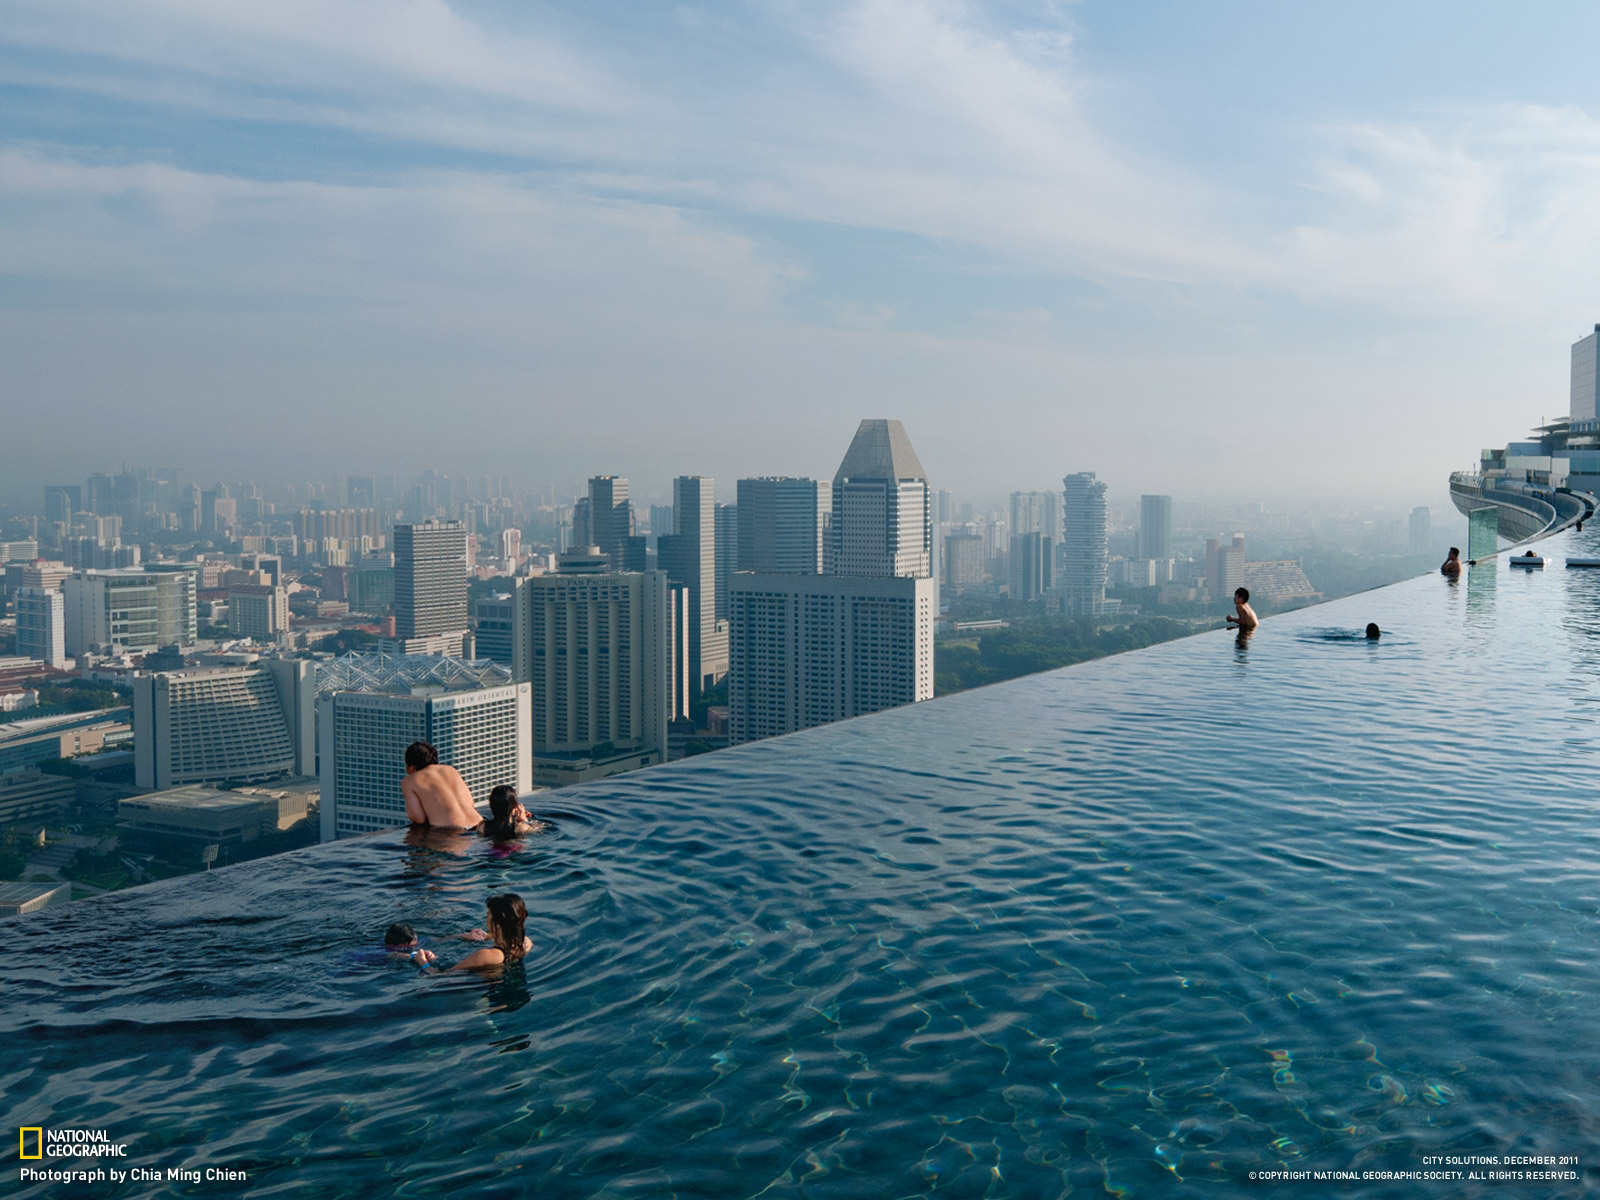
[[437, 795]]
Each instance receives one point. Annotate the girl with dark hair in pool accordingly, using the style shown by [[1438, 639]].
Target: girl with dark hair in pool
[[507, 915], [507, 817]]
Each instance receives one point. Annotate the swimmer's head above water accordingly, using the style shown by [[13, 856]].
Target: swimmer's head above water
[[399, 935], [1373, 632], [419, 756], [507, 916]]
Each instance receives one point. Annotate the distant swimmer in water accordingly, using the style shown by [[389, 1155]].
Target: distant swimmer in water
[[1451, 567], [507, 817], [506, 916], [1243, 615], [1373, 632], [436, 795]]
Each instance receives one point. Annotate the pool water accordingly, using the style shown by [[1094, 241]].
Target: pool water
[[1138, 927]]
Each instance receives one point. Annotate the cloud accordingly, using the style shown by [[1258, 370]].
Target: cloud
[[1479, 212], [644, 231], [349, 47]]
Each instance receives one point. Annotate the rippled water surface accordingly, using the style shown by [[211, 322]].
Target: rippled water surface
[[1139, 927]]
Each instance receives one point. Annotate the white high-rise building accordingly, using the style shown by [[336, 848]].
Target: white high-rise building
[[882, 518], [134, 609], [370, 707], [810, 649], [430, 580], [42, 626], [1036, 512], [607, 663], [781, 524], [1081, 571], [224, 724], [258, 611], [1585, 378]]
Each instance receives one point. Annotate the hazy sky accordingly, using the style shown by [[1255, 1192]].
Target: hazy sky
[[1230, 248]]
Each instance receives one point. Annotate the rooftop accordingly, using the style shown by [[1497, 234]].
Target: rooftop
[[880, 450], [1140, 926], [404, 674]]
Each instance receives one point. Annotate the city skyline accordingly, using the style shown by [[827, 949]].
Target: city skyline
[[1172, 245]]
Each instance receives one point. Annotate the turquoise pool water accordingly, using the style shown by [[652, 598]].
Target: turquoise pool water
[[1139, 927]]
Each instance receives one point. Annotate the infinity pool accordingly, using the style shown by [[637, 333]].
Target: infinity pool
[[1139, 927]]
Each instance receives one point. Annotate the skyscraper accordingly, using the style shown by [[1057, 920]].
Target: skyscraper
[[810, 649], [601, 654], [806, 649], [660, 520], [1032, 564], [610, 518], [963, 561], [42, 626], [1586, 378], [370, 707], [495, 630], [1224, 566], [62, 502], [430, 580], [882, 519], [1036, 512], [781, 523], [1155, 526], [101, 500], [1421, 529], [689, 557], [1081, 573], [727, 520]]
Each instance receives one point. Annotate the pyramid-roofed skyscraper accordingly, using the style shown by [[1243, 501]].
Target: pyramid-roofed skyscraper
[[882, 521]]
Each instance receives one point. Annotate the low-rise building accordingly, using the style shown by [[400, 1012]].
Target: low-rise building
[[29, 796], [178, 825], [27, 743], [19, 898]]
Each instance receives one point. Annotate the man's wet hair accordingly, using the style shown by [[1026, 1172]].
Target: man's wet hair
[[1242, 594], [1373, 631], [399, 934], [1455, 550], [421, 754]]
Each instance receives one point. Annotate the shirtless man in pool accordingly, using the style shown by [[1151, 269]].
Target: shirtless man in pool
[[436, 795]]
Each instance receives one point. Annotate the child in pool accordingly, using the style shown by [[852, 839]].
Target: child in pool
[[1245, 617], [506, 916]]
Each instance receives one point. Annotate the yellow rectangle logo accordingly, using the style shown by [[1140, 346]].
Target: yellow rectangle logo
[[38, 1141]]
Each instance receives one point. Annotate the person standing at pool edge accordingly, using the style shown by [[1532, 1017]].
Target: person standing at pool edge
[[436, 795], [1451, 567], [1244, 616]]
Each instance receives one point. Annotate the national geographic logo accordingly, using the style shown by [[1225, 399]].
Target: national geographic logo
[[36, 1142]]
